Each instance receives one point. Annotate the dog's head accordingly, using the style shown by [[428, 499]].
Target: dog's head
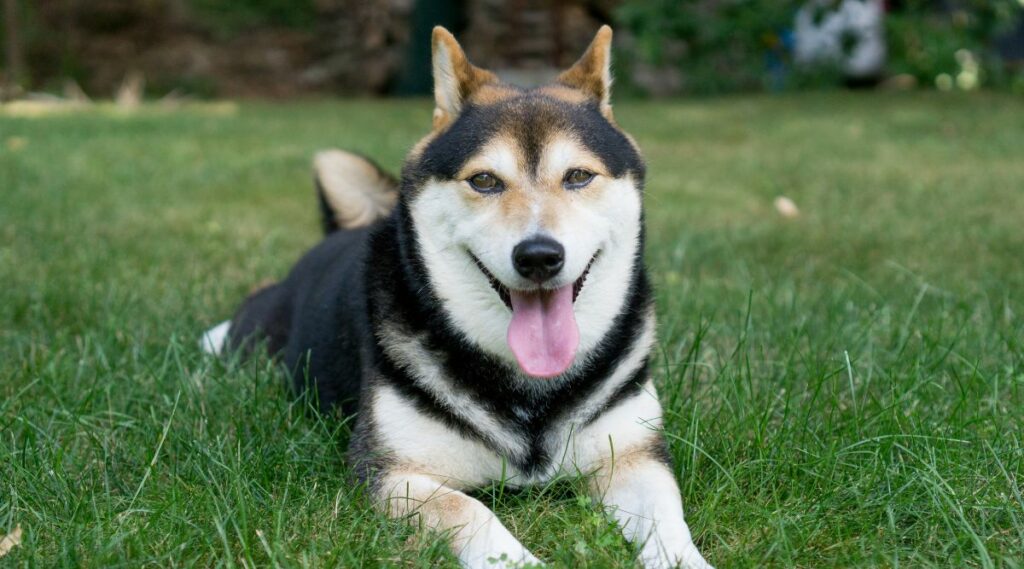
[[527, 208]]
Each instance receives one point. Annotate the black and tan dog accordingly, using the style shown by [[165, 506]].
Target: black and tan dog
[[489, 315]]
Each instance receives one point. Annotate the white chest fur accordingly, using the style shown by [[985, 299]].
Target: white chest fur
[[464, 462], [576, 443]]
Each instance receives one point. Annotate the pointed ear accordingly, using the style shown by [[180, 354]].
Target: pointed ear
[[455, 78], [592, 73]]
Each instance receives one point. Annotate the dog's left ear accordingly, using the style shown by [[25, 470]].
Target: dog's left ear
[[455, 78], [592, 74]]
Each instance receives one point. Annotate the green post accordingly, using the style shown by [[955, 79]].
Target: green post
[[415, 77]]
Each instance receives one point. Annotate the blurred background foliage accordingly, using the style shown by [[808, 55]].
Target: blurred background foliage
[[228, 17], [717, 46], [743, 45], [283, 48], [925, 42]]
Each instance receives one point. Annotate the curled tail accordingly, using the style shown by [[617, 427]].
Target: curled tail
[[352, 190]]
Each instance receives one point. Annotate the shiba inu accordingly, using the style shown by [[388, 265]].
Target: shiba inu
[[488, 315]]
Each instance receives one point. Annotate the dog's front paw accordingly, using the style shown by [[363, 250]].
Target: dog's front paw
[[693, 560], [525, 560], [683, 558]]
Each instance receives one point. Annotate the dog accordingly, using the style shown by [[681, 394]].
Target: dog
[[487, 316]]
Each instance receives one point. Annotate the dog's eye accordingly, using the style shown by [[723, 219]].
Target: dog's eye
[[576, 179], [486, 183]]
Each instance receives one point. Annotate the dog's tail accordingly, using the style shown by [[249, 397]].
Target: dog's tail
[[353, 190]]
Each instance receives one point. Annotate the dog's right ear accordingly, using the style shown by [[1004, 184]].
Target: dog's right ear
[[455, 78]]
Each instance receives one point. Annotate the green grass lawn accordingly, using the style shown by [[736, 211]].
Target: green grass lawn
[[845, 388]]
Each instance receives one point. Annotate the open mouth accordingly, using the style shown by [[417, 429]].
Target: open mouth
[[506, 296], [542, 334]]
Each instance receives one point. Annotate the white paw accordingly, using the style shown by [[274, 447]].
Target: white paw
[[684, 558], [500, 551], [527, 559], [694, 560], [521, 560]]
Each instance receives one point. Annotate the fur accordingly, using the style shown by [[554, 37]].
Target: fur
[[394, 316]]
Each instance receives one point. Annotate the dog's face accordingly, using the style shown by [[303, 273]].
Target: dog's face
[[527, 209]]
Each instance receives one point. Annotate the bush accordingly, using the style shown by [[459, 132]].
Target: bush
[[227, 17], [952, 47], [718, 46], [742, 45]]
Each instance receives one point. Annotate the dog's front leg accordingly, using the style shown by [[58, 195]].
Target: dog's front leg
[[638, 489], [478, 538]]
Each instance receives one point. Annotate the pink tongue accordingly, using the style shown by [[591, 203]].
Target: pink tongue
[[543, 334]]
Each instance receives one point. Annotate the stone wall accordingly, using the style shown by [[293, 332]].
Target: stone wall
[[350, 46]]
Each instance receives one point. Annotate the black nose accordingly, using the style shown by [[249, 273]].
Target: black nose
[[538, 258]]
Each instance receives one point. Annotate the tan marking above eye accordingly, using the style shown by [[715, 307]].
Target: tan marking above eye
[[562, 154], [500, 157]]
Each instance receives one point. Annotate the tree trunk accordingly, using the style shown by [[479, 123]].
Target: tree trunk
[[14, 64]]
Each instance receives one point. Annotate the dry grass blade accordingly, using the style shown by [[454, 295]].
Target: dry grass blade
[[9, 542]]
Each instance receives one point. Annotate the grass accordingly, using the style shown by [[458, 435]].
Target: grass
[[844, 388]]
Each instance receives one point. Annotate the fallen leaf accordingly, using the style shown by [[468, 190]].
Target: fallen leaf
[[9, 542], [786, 207]]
